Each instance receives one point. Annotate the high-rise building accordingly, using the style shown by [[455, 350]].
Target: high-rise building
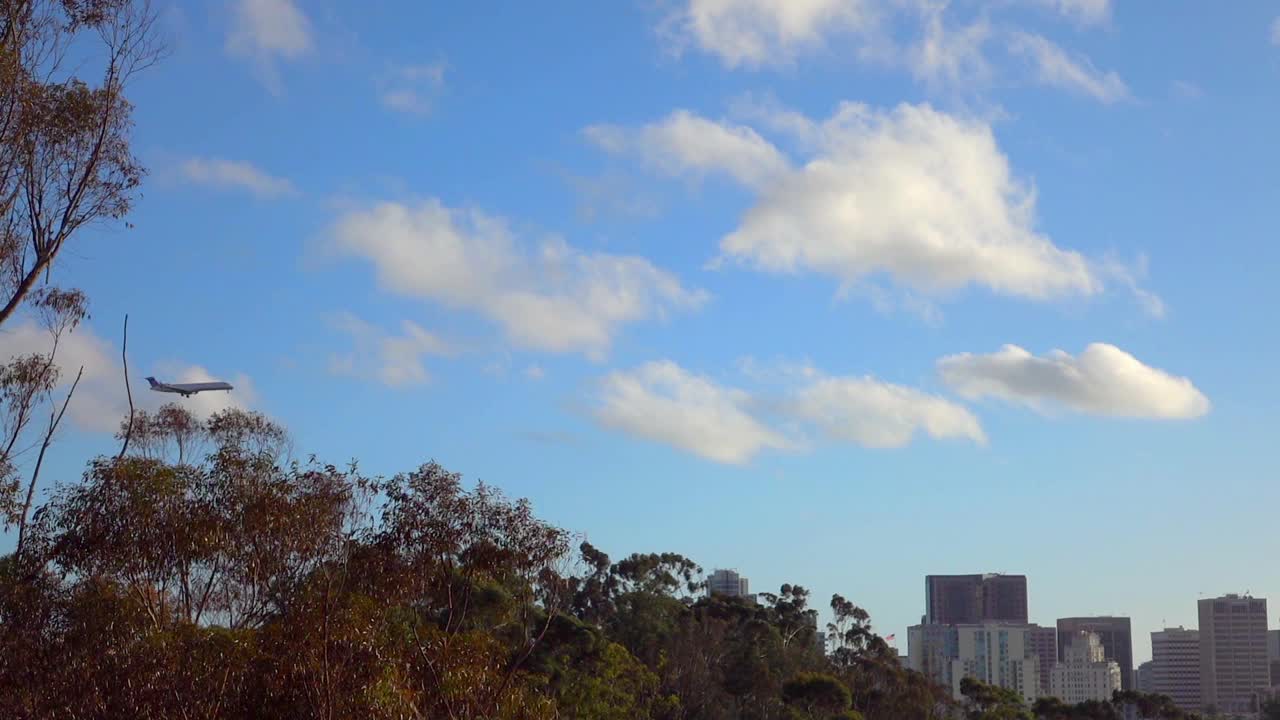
[[727, 582], [1084, 673], [1043, 642], [1234, 671], [994, 653], [1116, 637], [975, 599], [1143, 677], [1273, 656], [1175, 666]]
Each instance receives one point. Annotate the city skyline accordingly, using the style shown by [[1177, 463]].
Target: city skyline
[[587, 253]]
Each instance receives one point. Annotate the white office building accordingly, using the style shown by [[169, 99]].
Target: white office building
[[1085, 673], [1000, 654]]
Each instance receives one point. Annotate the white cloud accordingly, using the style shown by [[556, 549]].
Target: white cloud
[[100, 402], [265, 31], [216, 172], [684, 144], [662, 402], [553, 297], [412, 89], [1085, 12], [393, 360], [951, 57], [876, 414], [1054, 67], [755, 33], [1103, 380], [925, 197]]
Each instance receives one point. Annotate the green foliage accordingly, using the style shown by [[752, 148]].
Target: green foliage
[[201, 575]]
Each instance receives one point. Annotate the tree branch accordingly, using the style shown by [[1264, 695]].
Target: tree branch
[[124, 359], [54, 422]]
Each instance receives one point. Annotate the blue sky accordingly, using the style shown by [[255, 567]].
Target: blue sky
[[838, 293]]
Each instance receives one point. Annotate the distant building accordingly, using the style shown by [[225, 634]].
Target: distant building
[[1175, 666], [994, 653], [1143, 677], [1116, 636], [1234, 671], [1273, 656], [1043, 642], [1084, 673], [728, 583], [974, 599]]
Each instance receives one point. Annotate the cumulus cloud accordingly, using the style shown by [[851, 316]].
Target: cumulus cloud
[[876, 414], [100, 402], [266, 31], [924, 197], [1054, 67], [393, 360], [412, 89], [551, 297], [216, 172], [662, 402], [756, 33], [1102, 380]]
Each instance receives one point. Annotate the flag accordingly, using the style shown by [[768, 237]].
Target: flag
[[890, 637]]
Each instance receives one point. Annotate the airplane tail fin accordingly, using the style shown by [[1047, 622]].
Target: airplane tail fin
[[152, 381]]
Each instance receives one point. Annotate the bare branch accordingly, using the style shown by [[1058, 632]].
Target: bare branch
[[124, 358], [54, 422]]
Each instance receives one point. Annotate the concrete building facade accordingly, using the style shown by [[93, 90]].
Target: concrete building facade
[[1084, 673], [1116, 635], [728, 583], [1175, 666], [995, 653], [1234, 672], [974, 599]]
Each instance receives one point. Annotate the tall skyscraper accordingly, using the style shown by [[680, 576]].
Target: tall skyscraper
[[1233, 653], [1116, 637], [974, 599], [995, 653], [1084, 673], [727, 582], [1273, 655], [1175, 666]]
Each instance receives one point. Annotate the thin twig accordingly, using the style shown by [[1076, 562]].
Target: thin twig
[[124, 359], [54, 422]]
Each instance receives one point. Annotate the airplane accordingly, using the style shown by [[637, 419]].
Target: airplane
[[187, 389]]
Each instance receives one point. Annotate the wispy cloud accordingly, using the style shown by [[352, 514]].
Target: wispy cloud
[[412, 89], [267, 31], [1054, 67], [392, 360], [216, 172]]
